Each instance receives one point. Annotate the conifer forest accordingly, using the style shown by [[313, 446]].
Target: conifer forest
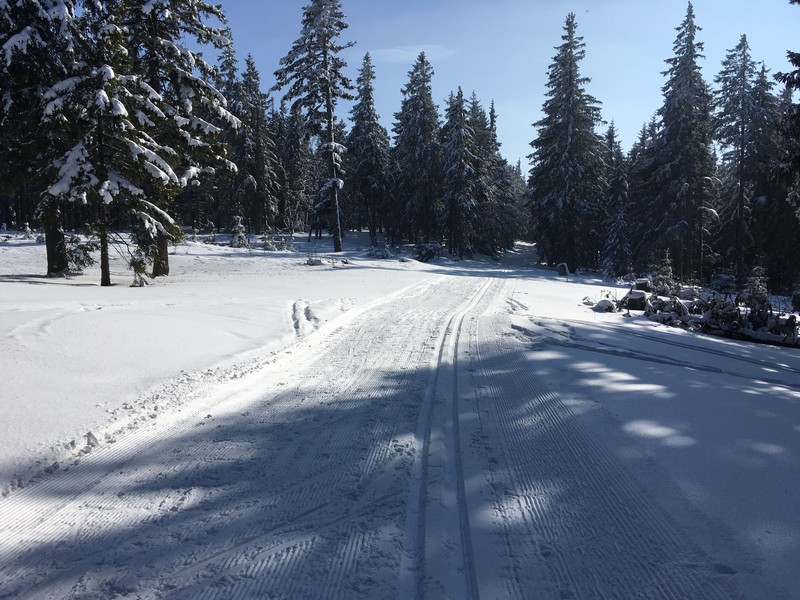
[[115, 129]]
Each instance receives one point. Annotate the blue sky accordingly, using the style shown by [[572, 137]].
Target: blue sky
[[503, 48]]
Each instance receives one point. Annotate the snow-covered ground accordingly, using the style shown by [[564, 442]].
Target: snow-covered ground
[[382, 429]]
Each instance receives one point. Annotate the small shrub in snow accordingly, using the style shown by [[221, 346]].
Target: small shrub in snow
[[314, 259], [796, 302], [381, 251], [239, 237], [426, 252], [724, 282], [79, 253], [138, 264], [663, 279]]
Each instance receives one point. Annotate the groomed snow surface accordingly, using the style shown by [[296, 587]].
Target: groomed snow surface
[[254, 427]]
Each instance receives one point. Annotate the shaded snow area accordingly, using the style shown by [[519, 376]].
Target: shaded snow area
[[254, 427]]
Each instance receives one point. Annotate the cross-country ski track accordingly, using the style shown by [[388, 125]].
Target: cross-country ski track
[[404, 450]]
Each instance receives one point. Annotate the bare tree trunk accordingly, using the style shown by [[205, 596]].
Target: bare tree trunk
[[57, 261], [105, 267], [337, 228], [161, 261]]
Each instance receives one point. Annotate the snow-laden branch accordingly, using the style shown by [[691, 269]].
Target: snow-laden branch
[[330, 183]]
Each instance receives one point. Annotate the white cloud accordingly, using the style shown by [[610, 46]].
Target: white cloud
[[408, 54]]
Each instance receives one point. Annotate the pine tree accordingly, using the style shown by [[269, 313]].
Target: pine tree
[[683, 179], [499, 218], [296, 161], [566, 177], [36, 53], [417, 154], [777, 222], [117, 128], [791, 161], [616, 258], [255, 182], [368, 154], [643, 212], [312, 71], [157, 37], [736, 121], [462, 188]]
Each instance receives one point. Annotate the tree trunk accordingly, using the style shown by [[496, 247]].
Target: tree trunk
[[105, 267], [337, 228], [57, 261], [161, 261]]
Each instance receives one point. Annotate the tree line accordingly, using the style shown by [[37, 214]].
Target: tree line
[[111, 123]]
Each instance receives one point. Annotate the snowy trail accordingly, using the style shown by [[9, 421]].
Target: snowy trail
[[575, 522], [291, 476], [405, 451]]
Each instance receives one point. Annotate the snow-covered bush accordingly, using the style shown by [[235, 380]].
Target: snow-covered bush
[[239, 237], [380, 251], [796, 302], [314, 259], [426, 252], [724, 282], [662, 277], [756, 298], [79, 253]]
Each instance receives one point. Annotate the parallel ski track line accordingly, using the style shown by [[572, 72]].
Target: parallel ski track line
[[608, 348], [280, 523], [588, 529], [665, 339], [414, 568]]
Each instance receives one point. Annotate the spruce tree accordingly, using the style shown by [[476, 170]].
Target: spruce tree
[[118, 132], [37, 52], [499, 219], [616, 257], [566, 174], [643, 213], [255, 154], [462, 188], [791, 125], [736, 122], [683, 180], [297, 165], [368, 153], [312, 72], [164, 40], [417, 155]]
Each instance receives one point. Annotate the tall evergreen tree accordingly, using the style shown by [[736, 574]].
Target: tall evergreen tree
[[119, 129], [417, 154], [313, 73], [158, 36], [643, 213], [683, 181], [256, 182], [566, 174], [791, 129], [736, 123], [37, 51], [462, 188], [616, 258], [368, 153], [776, 209], [297, 165], [499, 218]]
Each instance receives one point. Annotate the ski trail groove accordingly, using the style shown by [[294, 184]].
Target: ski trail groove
[[293, 473], [575, 521], [438, 560]]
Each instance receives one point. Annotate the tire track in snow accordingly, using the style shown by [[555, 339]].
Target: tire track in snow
[[575, 522], [258, 487]]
